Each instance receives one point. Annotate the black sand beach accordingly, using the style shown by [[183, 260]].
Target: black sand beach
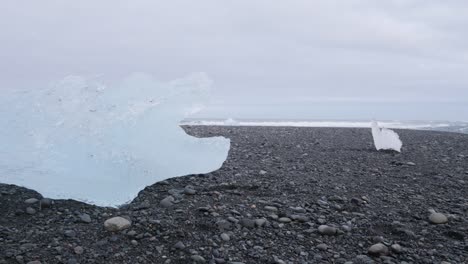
[[266, 204]]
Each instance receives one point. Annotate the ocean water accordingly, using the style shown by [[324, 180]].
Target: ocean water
[[339, 110], [447, 126]]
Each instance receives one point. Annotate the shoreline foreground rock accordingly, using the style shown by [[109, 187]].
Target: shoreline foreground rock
[[374, 206], [116, 224]]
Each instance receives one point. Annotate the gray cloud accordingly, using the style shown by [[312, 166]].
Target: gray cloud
[[256, 51]]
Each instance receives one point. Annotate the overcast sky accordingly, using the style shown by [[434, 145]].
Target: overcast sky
[[270, 53]]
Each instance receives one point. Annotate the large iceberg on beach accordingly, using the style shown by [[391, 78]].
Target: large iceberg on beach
[[80, 139], [385, 139]]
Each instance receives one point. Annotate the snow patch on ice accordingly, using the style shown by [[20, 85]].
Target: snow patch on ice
[[82, 140], [385, 139]]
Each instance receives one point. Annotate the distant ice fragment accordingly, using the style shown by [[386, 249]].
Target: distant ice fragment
[[230, 122], [82, 140], [385, 139]]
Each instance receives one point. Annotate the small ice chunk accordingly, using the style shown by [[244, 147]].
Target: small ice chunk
[[385, 139], [231, 122], [82, 140]]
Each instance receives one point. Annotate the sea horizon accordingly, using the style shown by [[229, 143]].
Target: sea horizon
[[434, 125]]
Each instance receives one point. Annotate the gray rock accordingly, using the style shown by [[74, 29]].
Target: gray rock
[[30, 210], [143, 205], [362, 259], [179, 245], [298, 209], [396, 248], [78, 250], [116, 224], [225, 237], [378, 249], [285, 220], [31, 201], [189, 190], [223, 225], [321, 221], [46, 203], [70, 233], [271, 208], [438, 218], [300, 218], [85, 218], [245, 222], [198, 259], [327, 230], [260, 222], [131, 233], [347, 228], [322, 246], [72, 261], [167, 202]]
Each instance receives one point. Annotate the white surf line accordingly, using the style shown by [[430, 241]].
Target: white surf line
[[347, 124]]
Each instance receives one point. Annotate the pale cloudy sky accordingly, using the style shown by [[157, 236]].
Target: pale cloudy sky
[[266, 57]]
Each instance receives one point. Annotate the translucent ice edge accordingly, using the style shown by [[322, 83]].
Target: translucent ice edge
[[79, 139]]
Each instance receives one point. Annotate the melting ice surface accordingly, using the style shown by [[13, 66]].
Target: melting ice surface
[[102, 145], [385, 139]]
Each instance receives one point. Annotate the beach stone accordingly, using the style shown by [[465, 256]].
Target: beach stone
[[198, 259], [438, 218], [45, 203], [30, 210], [223, 225], [378, 249], [300, 218], [271, 208], [34, 262], [70, 233], [31, 201], [327, 230], [363, 259], [396, 248], [285, 220], [225, 237], [131, 233], [298, 209], [245, 222], [260, 222], [189, 190], [85, 218], [167, 202], [322, 246], [179, 245], [117, 223], [78, 250]]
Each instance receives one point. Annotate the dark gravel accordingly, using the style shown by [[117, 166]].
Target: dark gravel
[[266, 204]]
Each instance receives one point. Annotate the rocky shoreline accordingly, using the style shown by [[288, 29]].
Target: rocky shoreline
[[285, 195]]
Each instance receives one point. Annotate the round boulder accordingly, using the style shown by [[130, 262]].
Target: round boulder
[[438, 218], [116, 224], [378, 249]]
